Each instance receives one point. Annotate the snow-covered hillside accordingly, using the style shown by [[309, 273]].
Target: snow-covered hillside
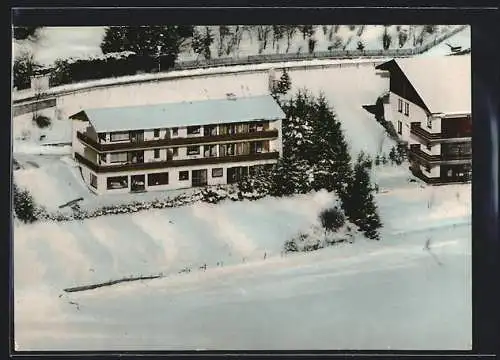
[[368, 295], [54, 43]]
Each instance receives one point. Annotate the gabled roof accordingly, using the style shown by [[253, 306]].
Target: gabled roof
[[204, 112], [443, 82]]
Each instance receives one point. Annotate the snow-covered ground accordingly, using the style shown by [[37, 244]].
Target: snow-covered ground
[[55, 43], [462, 38], [368, 295]]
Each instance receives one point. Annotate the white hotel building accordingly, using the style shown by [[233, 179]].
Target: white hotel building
[[176, 145], [429, 104]]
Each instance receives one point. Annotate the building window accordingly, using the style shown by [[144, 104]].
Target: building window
[[193, 130], [120, 136], [427, 168], [93, 180], [117, 182], [175, 131], [118, 157], [157, 153], [158, 179], [407, 108], [210, 150], [400, 105], [400, 127], [175, 151], [156, 133], [183, 175], [217, 172], [193, 150], [429, 147], [429, 122], [257, 147]]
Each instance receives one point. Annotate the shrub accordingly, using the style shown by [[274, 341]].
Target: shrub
[[24, 205], [42, 121], [332, 219]]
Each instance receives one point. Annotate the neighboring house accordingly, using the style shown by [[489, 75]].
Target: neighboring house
[[176, 145], [430, 108]]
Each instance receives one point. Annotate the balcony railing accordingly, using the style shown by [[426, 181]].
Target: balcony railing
[[175, 163], [443, 159], [429, 137], [147, 144], [440, 180]]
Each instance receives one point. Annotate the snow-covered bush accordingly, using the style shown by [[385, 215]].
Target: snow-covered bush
[[316, 238], [42, 121], [332, 219]]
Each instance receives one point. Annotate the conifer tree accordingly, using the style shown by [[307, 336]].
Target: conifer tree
[[24, 206], [330, 152], [359, 203]]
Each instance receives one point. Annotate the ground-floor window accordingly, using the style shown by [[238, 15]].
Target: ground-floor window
[[183, 175], [199, 177], [236, 174], [93, 180], [217, 172], [117, 182], [158, 179], [400, 127]]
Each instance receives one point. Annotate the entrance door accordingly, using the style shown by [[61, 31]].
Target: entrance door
[[199, 177], [137, 183]]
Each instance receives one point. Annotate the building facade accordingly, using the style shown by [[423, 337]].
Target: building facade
[[430, 108], [174, 146]]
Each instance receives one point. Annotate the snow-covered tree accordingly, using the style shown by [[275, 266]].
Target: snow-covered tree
[[359, 203], [22, 70], [24, 205], [307, 31], [290, 176], [330, 152], [202, 41], [144, 40]]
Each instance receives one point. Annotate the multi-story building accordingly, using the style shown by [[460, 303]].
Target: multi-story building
[[430, 108], [176, 145]]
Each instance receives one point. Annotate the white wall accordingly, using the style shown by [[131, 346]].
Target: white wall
[[435, 149], [434, 171], [415, 114], [77, 146]]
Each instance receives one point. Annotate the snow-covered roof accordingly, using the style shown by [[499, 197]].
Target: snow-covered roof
[[204, 112], [443, 82]]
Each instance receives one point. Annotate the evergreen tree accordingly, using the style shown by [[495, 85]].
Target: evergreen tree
[[361, 46], [289, 177], [22, 71], [144, 40], [359, 203], [24, 206], [329, 150], [284, 83]]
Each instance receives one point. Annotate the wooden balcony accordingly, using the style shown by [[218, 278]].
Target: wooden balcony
[[440, 180], [174, 163], [432, 138], [185, 141], [444, 159]]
